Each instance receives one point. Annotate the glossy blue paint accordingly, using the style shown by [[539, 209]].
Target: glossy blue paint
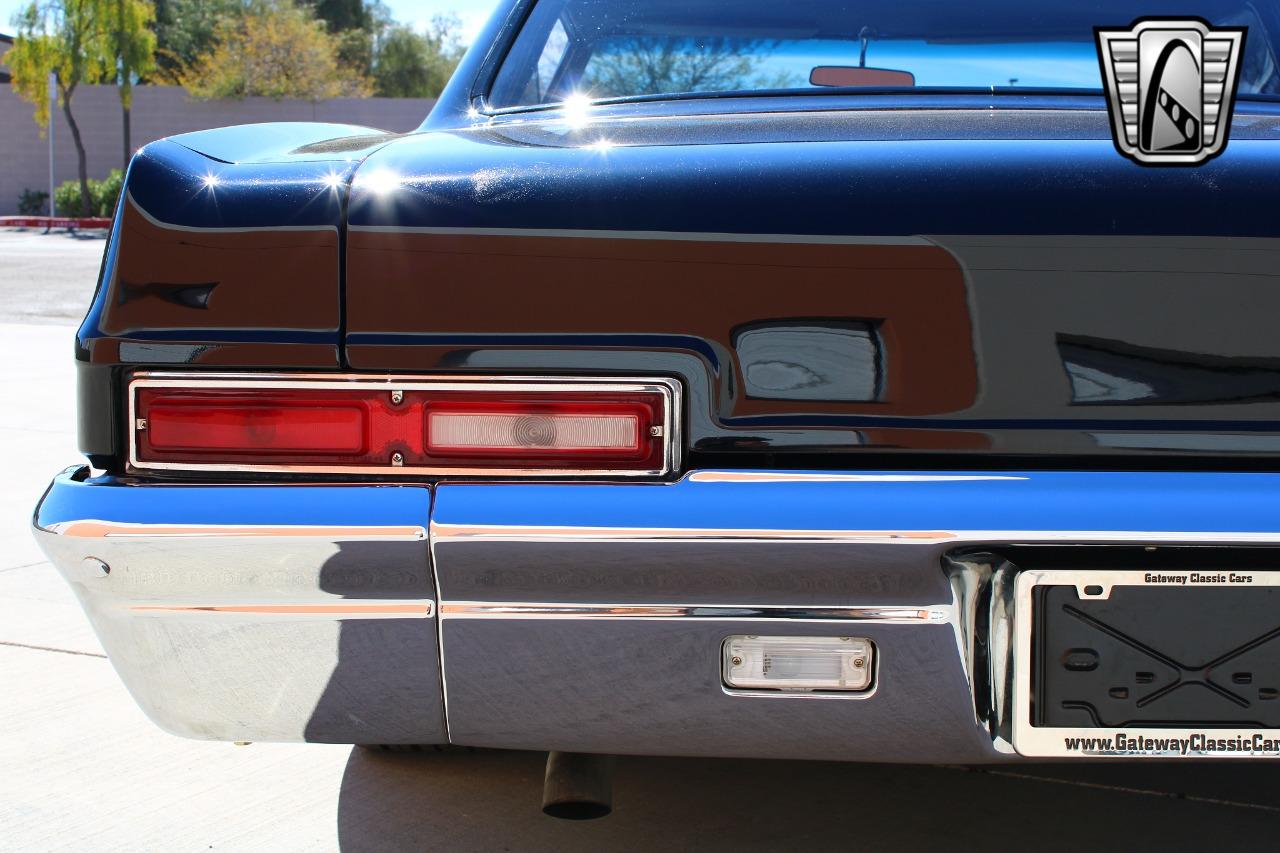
[[74, 497], [286, 142], [932, 501], [488, 178], [182, 187]]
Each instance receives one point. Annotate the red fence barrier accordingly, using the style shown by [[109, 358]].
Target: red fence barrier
[[86, 224]]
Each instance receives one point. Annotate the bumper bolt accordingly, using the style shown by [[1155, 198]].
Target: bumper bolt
[[398, 460], [397, 397]]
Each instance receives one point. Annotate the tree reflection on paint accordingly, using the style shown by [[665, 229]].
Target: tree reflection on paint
[[650, 66]]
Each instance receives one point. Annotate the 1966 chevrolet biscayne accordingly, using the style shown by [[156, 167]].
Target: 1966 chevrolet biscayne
[[809, 379]]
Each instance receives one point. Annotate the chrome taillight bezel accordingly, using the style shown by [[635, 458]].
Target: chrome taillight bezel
[[668, 389]]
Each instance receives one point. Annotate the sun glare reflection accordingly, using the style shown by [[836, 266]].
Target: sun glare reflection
[[380, 182], [577, 110]]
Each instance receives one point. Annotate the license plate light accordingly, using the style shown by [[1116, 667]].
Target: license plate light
[[809, 664]]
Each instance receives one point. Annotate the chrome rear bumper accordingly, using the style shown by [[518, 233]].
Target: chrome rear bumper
[[590, 617], [266, 613]]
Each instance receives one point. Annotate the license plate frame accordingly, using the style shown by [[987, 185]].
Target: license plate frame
[[1182, 741]]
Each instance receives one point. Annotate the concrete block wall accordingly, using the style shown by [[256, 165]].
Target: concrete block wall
[[158, 111]]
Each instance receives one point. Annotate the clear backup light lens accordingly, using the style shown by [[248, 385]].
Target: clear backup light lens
[[602, 432], [798, 663], [481, 431]]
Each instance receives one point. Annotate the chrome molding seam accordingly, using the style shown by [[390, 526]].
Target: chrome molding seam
[[670, 390], [259, 613]]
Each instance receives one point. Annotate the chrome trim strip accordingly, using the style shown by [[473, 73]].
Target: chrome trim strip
[[409, 609], [533, 533], [674, 236], [1048, 742], [671, 391], [192, 229], [925, 615], [802, 477], [95, 529]]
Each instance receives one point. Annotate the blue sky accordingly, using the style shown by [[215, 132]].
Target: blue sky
[[472, 12]]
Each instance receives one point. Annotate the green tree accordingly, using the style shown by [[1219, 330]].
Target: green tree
[[409, 64], [65, 38], [278, 50], [355, 50], [356, 25], [185, 31], [342, 15], [134, 45]]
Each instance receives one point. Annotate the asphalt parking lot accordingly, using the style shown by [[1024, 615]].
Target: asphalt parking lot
[[82, 769]]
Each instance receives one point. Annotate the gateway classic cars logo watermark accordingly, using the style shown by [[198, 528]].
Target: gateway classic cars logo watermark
[[1171, 88]]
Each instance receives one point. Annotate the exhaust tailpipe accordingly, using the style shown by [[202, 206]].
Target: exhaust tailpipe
[[578, 786]]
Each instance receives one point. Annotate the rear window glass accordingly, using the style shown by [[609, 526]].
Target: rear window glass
[[605, 49]]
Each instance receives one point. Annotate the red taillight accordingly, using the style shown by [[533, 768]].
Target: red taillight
[[195, 425], [415, 426]]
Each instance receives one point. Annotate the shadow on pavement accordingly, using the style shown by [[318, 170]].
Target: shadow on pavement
[[488, 800], [99, 234]]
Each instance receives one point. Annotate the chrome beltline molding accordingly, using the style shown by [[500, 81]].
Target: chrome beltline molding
[[533, 533], [895, 615], [671, 391]]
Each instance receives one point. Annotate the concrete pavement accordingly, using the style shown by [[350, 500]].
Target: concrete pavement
[[48, 278], [82, 769]]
